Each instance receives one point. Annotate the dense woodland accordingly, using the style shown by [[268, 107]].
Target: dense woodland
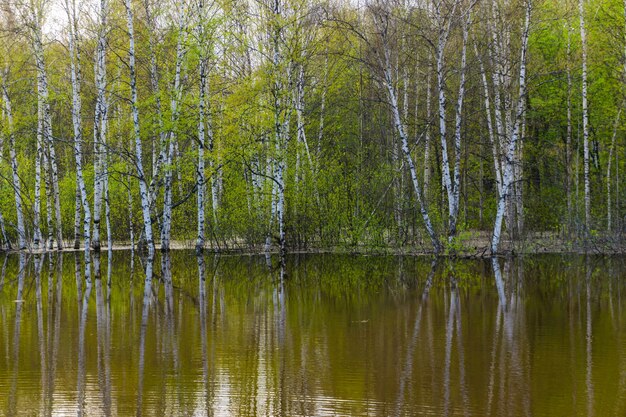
[[284, 124]]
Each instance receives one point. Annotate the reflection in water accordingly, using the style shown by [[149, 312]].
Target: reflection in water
[[83, 310], [147, 293], [588, 337], [319, 335], [408, 366], [19, 302], [509, 350]]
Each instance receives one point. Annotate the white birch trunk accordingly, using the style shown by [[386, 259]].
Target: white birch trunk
[[585, 116], [510, 152], [608, 171], [456, 184], [445, 164], [37, 203], [492, 135], [281, 126], [429, 117], [407, 153], [100, 125], [174, 105], [77, 217], [107, 214], [200, 174], [158, 159], [497, 79], [17, 186], [48, 188], [143, 186], [3, 232], [46, 120], [518, 177], [76, 121]]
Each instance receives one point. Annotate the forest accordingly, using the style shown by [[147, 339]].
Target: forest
[[284, 125]]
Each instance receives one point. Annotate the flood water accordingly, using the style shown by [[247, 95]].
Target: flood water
[[326, 335]]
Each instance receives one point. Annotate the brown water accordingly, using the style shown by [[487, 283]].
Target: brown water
[[330, 335]]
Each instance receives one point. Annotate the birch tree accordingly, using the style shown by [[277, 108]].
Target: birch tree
[[159, 150], [381, 18], [452, 181], [585, 116], [3, 233], [77, 118], [171, 136], [100, 124], [280, 78], [16, 182], [507, 181], [35, 21], [205, 130], [143, 186]]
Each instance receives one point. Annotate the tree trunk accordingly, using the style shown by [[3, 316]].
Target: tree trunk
[[200, 174], [143, 186], [492, 135], [48, 188], [158, 159], [77, 217], [100, 126], [37, 203], [174, 105], [429, 117], [441, 87], [454, 213], [510, 155], [17, 186], [608, 171], [77, 123], [405, 145], [46, 121], [585, 116]]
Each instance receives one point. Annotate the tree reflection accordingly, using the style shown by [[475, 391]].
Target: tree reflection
[[408, 364], [588, 338], [340, 335], [84, 309], [511, 359], [19, 302], [103, 329], [142, 332]]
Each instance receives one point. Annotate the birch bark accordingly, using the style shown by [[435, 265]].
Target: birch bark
[[392, 95], [174, 106], [46, 118], [510, 152], [76, 119], [143, 186], [17, 186], [200, 170], [608, 171], [585, 116], [100, 125]]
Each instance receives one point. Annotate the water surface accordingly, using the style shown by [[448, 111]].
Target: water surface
[[326, 335]]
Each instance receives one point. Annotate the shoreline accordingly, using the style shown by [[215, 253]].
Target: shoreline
[[476, 246]]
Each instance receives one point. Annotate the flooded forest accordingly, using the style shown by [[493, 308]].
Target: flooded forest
[[426, 126], [312, 207]]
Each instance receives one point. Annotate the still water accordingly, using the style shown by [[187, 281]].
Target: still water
[[326, 335]]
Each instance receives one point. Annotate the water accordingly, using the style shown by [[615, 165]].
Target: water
[[328, 335]]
